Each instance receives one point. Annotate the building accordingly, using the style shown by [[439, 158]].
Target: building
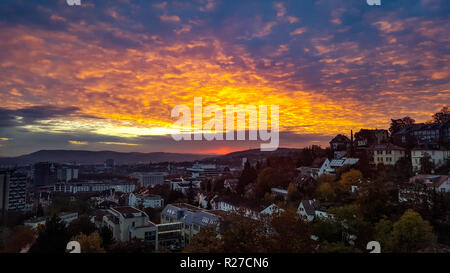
[[66, 173], [431, 135], [366, 138], [109, 163], [330, 167], [66, 218], [150, 179], [270, 210], [13, 191], [45, 173], [192, 218], [387, 154], [182, 185], [93, 186], [422, 184], [310, 209], [127, 223], [145, 200], [438, 157], [202, 171], [279, 192], [340, 143]]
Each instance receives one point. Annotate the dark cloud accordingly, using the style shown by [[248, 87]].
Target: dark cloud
[[30, 115]]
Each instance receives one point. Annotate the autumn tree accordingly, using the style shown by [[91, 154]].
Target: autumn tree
[[22, 236], [351, 177], [248, 176], [90, 243], [206, 241], [411, 233], [426, 164], [325, 192]]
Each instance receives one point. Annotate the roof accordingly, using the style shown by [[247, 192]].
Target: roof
[[340, 138], [430, 180], [343, 161], [189, 214], [126, 210], [310, 206]]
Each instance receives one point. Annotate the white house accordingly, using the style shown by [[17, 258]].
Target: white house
[[145, 200], [271, 210], [309, 209], [438, 157]]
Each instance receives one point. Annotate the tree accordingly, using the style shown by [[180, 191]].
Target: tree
[[81, 225], [383, 234], [426, 164], [107, 237], [411, 233], [90, 243], [21, 237], [351, 177], [248, 176], [293, 194], [52, 238], [442, 116], [206, 241], [398, 124], [290, 234], [266, 180], [373, 200], [326, 193], [132, 246]]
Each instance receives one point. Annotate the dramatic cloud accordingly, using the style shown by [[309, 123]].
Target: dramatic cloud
[[108, 73]]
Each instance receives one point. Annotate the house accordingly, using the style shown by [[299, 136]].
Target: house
[[366, 138], [193, 219], [316, 169], [438, 157], [420, 185], [279, 192], [432, 135], [247, 207], [330, 167], [145, 200], [387, 154], [270, 210], [340, 143], [310, 209], [150, 179], [439, 183], [182, 185], [128, 222]]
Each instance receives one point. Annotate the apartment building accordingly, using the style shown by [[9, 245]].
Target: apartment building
[[387, 154]]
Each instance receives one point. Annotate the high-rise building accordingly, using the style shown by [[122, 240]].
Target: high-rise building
[[12, 191], [44, 174]]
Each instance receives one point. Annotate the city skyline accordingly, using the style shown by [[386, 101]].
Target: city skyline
[[105, 75]]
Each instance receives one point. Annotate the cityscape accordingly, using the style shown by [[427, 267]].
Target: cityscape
[[354, 156]]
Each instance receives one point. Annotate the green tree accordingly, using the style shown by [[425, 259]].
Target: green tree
[[411, 233], [107, 237], [248, 176], [383, 234], [52, 238]]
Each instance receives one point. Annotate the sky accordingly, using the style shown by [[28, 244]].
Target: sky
[[106, 75]]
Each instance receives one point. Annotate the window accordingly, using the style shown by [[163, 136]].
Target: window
[[388, 152], [132, 224]]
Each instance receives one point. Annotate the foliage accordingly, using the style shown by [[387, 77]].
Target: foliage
[[398, 124], [248, 176], [21, 237], [52, 238], [326, 193], [206, 241], [81, 225], [132, 246], [107, 237], [442, 116], [90, 243], [351, 177], [426, 164]]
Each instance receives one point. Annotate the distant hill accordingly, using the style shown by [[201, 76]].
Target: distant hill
[[93, 157], [253, 155]]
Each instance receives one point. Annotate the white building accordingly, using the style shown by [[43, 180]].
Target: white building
[[387, 154], [145, 200], [67, 218], [183, 186], [438, 157], [94, 186], [310, 209], [330, 167], [127, 223], [150, 179]]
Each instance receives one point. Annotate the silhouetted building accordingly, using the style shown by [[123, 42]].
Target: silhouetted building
[[44, 174]]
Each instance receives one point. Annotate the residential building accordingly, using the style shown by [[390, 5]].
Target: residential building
[[270, 210], [366, 138], [279, 192], [150, 179], [93, 186], [387, 154], [127, 223], [420, 185], [438, 157], [182, 185], [202, 171], [440, 183], [426, 135], [66, 173], [193, 219], [310, 209], [340, 143], [330, 166], [13, 191], [145, 200], [45, 173]]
